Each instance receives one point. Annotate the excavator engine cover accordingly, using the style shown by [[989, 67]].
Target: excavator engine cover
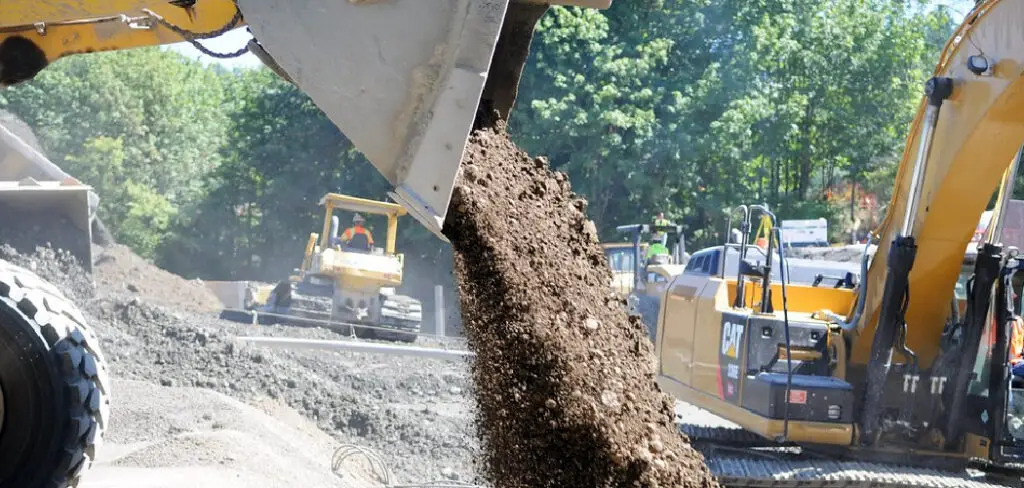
[[404, 79]]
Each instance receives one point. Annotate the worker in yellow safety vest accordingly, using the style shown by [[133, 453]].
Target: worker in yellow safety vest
[[657, 244], [357, 236], [660, 221]]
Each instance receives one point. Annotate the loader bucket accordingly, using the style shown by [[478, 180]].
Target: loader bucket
[[403, 79], [40, 204], [48, 213]]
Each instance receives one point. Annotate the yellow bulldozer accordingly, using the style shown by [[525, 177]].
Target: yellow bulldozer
[[405, 80], [348, 286]]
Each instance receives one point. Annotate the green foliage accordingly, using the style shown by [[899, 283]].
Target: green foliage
[[693, 107]]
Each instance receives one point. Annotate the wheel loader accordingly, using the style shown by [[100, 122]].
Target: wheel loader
[[349, 287], [405, 80], [881, 384]]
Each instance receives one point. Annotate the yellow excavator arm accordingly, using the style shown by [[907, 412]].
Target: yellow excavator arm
[[973, 140], [967, 133], [405, 80]]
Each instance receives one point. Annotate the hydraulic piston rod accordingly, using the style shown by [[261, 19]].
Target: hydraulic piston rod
[[891, 320]]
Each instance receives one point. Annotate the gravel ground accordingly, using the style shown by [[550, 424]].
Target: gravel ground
[[201, 438], [415, 412]]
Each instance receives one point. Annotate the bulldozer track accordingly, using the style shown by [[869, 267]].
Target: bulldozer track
[[740, 458]]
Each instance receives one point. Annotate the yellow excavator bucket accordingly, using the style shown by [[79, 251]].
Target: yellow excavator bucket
[[403, 79]]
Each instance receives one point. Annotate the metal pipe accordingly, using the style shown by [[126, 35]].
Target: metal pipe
[[862, 293], [937, 90], [439, 310], [352, 346]]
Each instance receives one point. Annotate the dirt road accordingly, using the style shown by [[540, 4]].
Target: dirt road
[[173, 437]]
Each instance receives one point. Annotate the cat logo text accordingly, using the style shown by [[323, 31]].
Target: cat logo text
[[732, 335]]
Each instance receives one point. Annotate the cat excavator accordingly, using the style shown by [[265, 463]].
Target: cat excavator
[[405, 80], [896, 381]]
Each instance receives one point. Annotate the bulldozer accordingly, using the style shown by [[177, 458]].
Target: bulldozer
[[405, 80], [348, 287], [885, 383]]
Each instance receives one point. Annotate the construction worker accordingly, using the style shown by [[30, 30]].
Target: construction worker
[[660, 221], [1017, 347], [357, 236], [659, 239]]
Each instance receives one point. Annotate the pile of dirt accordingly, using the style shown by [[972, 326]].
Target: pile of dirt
[[566, 387], [406, 408], [118, 268], [27, 230]]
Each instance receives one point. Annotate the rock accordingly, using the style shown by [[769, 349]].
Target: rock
[[450, 474]]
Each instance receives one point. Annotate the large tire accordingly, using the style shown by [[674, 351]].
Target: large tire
[[54, 384]]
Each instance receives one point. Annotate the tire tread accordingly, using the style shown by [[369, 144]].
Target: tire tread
[[62, 329]]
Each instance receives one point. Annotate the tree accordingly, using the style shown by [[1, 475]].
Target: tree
[[694, 107], [144, 124]]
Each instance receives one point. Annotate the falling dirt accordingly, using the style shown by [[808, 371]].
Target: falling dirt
[[565, 381]]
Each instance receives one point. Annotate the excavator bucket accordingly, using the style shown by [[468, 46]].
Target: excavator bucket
[[41, 204], [404, 80]]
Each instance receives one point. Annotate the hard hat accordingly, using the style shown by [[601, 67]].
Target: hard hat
[[357, 219]]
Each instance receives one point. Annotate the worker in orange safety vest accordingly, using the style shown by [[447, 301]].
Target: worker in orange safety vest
[[1017, 347], [351, 235]]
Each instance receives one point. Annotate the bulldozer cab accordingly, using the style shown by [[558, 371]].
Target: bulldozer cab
[[333, 237], [336, 256]]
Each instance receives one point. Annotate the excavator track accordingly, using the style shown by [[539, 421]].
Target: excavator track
[[740, 458]]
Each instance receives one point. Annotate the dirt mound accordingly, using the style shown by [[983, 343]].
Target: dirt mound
[[406, 408], [55, 265], [118, 268], [565, 381], [26, 230]]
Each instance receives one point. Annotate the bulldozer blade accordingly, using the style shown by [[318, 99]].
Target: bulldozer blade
[[403, 79]]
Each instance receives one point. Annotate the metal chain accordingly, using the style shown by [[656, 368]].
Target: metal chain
[[193, 37]]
